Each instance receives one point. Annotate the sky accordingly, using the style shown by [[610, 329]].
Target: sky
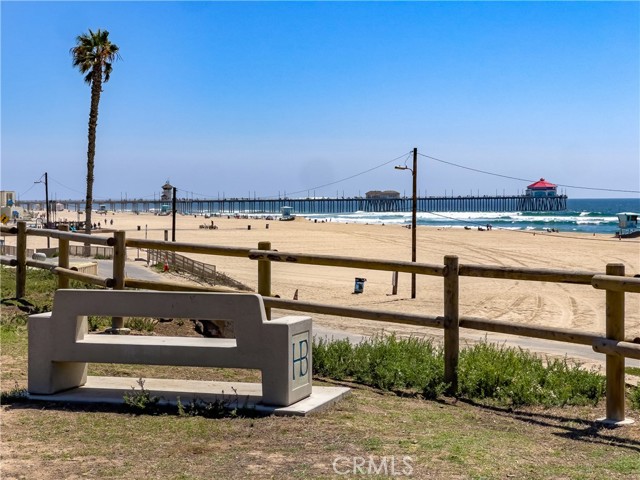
[[266, 99]]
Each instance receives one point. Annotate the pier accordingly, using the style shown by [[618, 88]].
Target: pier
[[186, 206]]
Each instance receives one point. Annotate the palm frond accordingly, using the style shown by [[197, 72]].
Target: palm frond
[[94, 50]]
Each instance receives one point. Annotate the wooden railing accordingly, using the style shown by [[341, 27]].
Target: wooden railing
[[183, 264], [614, 281], [94, 251]]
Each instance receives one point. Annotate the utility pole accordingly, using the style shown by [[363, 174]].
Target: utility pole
[[414, 220], [173, 223], [46, 200], [414, 209]]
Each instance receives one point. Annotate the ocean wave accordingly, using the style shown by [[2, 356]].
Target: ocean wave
[[583, 220]]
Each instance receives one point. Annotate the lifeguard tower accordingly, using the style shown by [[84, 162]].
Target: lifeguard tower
[[628, 224], [286, 214], [166, 198], [167, 192]]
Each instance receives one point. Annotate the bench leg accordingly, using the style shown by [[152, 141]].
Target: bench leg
[[44, 375], [287, 375]]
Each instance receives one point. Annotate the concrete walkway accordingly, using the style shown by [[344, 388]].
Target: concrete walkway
[[137, 270]]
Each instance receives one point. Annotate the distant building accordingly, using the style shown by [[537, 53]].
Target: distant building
[[8, 207], [7, 198], [385, 194], [542, 188]]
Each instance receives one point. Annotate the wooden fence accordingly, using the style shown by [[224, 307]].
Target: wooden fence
[[614, 281], [81, 251]]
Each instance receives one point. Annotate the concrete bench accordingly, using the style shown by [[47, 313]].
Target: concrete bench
[[60, 346]]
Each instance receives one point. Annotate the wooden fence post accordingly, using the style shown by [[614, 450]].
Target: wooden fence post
[[21, 256], [451, 322], [394, 283], [63, 257], [119, 260], [615, 363], [264, 275]]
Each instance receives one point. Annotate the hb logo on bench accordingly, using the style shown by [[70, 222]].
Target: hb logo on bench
[[300, 358]]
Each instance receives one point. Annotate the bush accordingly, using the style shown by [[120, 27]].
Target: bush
[[518, 377], [384, 362], [96, 323], [141, 324], [510, 376], [332, 358], [634, 397]]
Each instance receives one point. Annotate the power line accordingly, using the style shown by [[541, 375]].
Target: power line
[[63, 185], [27, 190], [404, 155], [525, 179]]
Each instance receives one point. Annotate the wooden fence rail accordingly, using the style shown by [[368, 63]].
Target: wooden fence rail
[[181, 263], [81, 251], [615, 282]]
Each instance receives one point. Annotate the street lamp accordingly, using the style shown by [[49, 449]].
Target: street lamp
[[46, 199], [414, 173]]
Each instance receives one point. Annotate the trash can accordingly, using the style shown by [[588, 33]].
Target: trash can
[[39, 256], [359, 286]]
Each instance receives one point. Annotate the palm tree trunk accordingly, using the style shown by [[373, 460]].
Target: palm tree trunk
[[96, 88]]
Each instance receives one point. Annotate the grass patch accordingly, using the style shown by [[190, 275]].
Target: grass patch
[[15, 395], [39, 287], [444, 439], [632, 371], [137, 324]]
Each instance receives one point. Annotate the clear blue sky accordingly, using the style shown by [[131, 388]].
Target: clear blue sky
[[240, 98]]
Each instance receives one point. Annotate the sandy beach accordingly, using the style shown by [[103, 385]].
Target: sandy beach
[[569, 306]]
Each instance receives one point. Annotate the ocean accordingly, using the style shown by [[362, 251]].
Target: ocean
[[582, 215]]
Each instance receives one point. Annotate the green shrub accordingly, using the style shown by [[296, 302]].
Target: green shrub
[[384, 362], [332, 358], [516, 376], [634, 397], [509, 376], [15, 395], [141, 400], [98, 323], [141, 324]]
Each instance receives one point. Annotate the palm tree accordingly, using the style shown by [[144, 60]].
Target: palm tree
[[93, 54]]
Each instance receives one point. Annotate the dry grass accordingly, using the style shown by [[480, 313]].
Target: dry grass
[[445, 439]]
